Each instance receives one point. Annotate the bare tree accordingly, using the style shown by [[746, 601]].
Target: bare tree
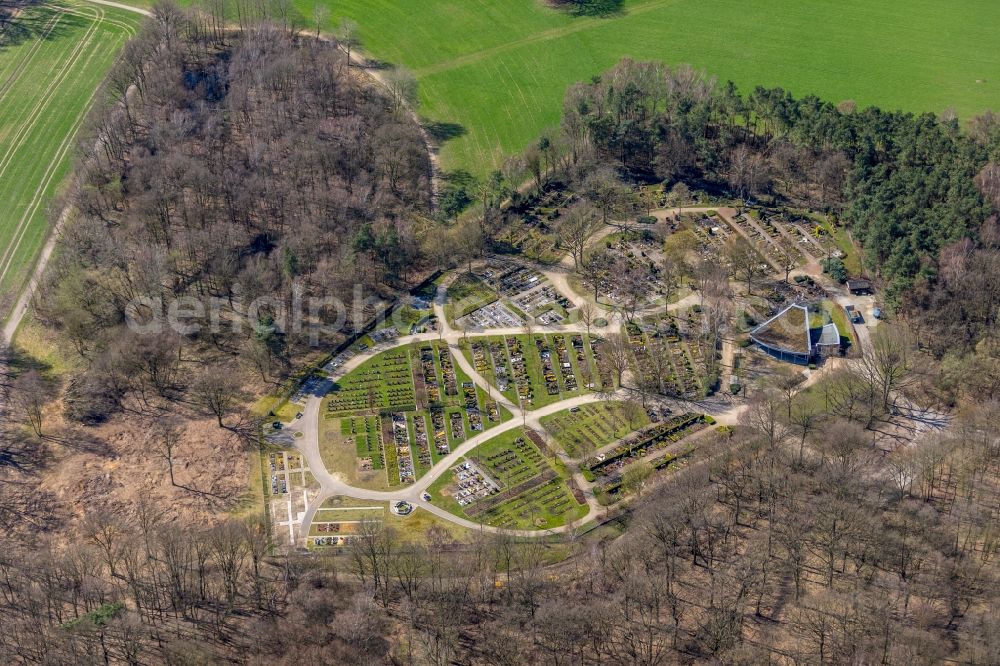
[[633, 411], [29, 393], [217, 391], [348, 36], [608, 194], [744, 261], [887, 365], [618, 354], [167, 437], [403, 88], [588, 313], [576, 227], [320, 15]]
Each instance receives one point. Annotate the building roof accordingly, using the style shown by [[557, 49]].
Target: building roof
[[830, 336], [787, 331], [855, 284]]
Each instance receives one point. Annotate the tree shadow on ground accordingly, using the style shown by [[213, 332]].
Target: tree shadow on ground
[[22, 22], [599, 8], [381, 65], [442, 131]]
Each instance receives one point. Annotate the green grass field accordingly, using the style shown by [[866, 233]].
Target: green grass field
[[52, 60], [499, 70], [592, 426]]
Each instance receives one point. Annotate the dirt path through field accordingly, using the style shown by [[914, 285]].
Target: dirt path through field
[[580, 24]]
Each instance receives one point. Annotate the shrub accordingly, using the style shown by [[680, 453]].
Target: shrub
[[834, 267], [646, 219]]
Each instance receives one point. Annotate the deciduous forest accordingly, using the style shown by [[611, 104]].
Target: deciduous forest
[[258, 162]]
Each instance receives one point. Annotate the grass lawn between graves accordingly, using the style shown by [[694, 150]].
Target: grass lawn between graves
[[592, 426], [524, 510], [533, 366], [466, 294], [419, 527], [342, 446]]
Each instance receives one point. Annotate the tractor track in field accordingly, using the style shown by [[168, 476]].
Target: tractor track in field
[[30, 54], [16, 315], [23, 223], [579, 25], [27, 123], [7, 258]]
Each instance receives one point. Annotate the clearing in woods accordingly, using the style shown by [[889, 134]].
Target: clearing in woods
[[493, 74], [52, 60]]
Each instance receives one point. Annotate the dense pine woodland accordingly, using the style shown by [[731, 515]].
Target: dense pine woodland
[[904, 183]]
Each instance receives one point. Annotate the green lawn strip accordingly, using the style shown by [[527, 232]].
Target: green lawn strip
[[345, 502], [500, 70], [403, 318], [391, 459], [334, 515], [839, 317], [851, 258], [440, 497], [414, 528]]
